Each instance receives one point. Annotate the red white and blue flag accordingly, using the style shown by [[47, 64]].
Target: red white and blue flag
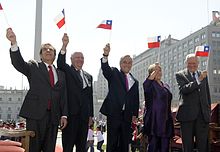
[[60, 19], [105, 24], [1, 7], [202, 51], [154, 42]]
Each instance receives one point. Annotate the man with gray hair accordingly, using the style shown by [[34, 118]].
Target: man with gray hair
[[194, 110], [79, 98], [121, 105]]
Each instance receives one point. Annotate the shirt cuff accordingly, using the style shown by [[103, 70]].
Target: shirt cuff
[[64, 117], [104, 59], [14, 47], [62, 52]]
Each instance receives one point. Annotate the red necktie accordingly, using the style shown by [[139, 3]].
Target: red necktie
[[51, 76], [126, 82]]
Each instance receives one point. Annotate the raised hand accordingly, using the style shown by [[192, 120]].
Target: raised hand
[[65, 41], [152, 75], [11, 36], [106, 49], [203, 75]]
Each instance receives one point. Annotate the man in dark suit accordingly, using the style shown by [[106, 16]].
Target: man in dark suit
[[45, 105], [194, 111], [121, 104], [80, 101]]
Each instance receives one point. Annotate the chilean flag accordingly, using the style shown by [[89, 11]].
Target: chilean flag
[[105, 24], [202, 51], [154, 42], [60, 19]]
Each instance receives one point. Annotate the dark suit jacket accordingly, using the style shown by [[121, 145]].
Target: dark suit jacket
[[36, 101], [117, 95], [80, 101], [194, 97]]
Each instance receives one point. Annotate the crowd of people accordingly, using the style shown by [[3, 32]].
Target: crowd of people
[[63, 98]]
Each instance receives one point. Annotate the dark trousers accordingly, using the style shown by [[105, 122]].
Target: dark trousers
[[158, 144], [45, 134], [90, 144], [118, 134], [198, 130], [75, 134], [99, 146]]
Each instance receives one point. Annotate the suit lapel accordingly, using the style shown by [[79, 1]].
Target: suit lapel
[[188, 75], [133, 80], [76, 77], [122, 79], [44, 70], [58, 78], [88, 79]]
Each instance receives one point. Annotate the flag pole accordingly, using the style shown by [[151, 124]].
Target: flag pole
[[65, 27], [65, 21], [158, 55], [110, 36], [6, 19], [208, 60]]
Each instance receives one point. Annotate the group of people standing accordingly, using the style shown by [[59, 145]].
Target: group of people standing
[[63, 98]]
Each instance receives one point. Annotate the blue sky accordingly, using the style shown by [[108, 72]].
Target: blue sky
[[133, 22]]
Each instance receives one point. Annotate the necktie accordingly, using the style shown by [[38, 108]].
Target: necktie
[[126, 82], [80, 77], [194, 75], [51, 76]]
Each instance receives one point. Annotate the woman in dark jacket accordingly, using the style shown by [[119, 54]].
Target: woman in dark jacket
[[158, 123]]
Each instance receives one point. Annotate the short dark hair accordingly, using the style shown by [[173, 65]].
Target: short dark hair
[[43, 45]]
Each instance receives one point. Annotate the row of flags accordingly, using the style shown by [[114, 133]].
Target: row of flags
[[60, 22], [153, 42], [202, 51]]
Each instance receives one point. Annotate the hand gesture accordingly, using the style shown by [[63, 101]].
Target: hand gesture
[[11, 36], [155, 72], [65, 41], [106, 49], [152, 75], [203, 75], [63, 123]]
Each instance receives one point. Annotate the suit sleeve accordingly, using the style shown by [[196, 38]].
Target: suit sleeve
[[147, 85], [208, 92], [185, 86], [136, 107], [148, 94], [61, 62], [91, 114], [19, 63], [64, 106], [106, 70]]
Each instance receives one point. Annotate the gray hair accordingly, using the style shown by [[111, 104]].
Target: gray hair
[[123, 57], [191, 55]]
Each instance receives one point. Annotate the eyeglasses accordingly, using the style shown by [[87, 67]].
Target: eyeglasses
[[47, 49]]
